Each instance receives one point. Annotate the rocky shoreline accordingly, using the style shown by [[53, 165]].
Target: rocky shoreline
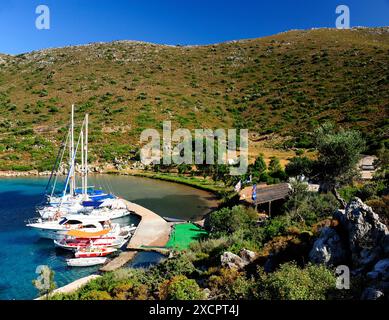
[[61, 172], [98, 168], [10, 173]]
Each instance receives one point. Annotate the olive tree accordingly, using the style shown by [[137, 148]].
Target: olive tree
[[338, 155]]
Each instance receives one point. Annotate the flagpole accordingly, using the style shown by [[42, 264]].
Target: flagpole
[[254, 196]]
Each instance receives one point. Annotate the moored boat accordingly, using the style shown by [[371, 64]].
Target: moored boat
[[92, 252], [78, 243], [77, 239], [85, 262], [53, 229]]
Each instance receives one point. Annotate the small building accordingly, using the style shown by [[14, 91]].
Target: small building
[[366, 167], [269, 197]]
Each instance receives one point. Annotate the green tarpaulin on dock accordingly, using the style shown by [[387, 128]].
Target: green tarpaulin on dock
[[183, 234]]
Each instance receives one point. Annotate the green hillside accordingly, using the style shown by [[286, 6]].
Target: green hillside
[[284, 84]]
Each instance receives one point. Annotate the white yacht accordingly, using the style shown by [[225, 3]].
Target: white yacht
[[114, 237], [54, 229]]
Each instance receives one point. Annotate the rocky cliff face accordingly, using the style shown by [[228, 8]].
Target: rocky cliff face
[[361, 242]]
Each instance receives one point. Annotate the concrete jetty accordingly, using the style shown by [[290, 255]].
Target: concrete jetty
[[152, 230]]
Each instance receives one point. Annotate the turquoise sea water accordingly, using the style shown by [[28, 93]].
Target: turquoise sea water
[[22, 250]]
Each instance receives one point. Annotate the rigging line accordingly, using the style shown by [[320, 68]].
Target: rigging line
[[63, 153], [70, 170], [56, 161], [75, 152], [104, 183], [108, 185]]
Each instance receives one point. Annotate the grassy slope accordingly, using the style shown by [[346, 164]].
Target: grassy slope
[[284, 84]]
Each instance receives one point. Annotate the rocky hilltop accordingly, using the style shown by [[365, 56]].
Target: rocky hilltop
[[284, 84]]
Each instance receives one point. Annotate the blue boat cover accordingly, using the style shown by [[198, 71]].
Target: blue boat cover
[[102, 197], [94, 204], [91, 192]]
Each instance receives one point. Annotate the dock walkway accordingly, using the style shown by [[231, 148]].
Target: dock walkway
[[152, 230]]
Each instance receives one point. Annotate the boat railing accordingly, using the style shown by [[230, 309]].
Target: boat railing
[[33, 220]]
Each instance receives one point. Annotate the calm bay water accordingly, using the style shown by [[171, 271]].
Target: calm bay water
[[23, 251]]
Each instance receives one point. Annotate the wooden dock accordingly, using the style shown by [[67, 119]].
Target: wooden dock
[[119, 261], [152, 230]]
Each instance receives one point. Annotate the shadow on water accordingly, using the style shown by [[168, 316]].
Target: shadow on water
[[189, 207], [145, 260]]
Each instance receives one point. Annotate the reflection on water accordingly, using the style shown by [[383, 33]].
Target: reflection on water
[[165, 198]]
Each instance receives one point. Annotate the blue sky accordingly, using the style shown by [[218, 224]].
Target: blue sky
[[171, 21]]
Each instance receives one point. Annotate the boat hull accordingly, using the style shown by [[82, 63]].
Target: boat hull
[[103, 252], [76, 245], [85, 262]]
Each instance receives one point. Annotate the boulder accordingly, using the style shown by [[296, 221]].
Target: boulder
[[247, 255], [328, 248], [232, 261], [367, 236], [386, 244], [380, 270]]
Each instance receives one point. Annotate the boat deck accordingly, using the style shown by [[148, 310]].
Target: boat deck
[[152, 230]]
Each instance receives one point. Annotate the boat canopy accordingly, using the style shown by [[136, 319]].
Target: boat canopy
[[85, 234]]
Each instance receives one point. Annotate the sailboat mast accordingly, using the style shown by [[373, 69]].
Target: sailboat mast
[[72, 180], [86, 154], [82, 162]]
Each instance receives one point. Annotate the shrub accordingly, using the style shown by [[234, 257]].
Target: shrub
[[290, 282], [53, 109], [178, 265], [21, 167], [130, 291], [208, 252], [180, 288], [348, 192], [258, 168], [246, 238], [230, 284], [308, 207], [96, 295], [275, 169], [381, 207], [299, 166], [229, 220], [275, 227]]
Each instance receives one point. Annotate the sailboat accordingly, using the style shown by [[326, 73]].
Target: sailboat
[[84, 200]]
